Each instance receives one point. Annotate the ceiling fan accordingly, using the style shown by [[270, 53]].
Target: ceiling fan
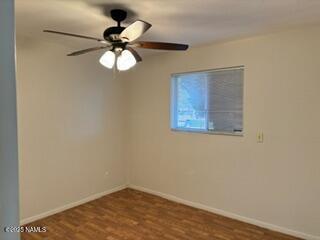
[[119, 42]]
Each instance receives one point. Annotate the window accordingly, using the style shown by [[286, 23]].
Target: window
[[208, 101]]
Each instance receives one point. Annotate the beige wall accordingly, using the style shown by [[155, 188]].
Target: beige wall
[[70, 127], [278, 181]]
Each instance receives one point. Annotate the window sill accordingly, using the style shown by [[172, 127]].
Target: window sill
[[239, 134]]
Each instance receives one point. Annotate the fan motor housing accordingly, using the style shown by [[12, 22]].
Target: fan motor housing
[[112, 34]]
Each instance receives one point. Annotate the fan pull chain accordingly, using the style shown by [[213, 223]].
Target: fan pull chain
[[114, 72]]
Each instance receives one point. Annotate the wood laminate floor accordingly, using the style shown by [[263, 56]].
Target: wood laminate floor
[[134, 215]]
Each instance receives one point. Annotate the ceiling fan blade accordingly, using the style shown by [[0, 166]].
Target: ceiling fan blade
[[76, 35], [134, 30], [161, 45], [86, 51], [135, 54]]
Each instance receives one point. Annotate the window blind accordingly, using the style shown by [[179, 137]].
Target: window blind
[[225, 101]]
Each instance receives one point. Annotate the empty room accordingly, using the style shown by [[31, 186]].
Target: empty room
[[159, 119]]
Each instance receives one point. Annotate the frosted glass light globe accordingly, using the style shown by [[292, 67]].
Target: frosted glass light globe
[[108, 59], [125, 61]]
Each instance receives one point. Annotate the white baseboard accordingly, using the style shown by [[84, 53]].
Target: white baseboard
[[71, 205], [228, 214]]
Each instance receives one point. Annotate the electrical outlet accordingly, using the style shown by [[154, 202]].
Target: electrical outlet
[[260, 137]]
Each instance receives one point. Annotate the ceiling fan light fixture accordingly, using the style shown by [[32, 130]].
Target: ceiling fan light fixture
[[108, 59], [126, 60], [120, 42]]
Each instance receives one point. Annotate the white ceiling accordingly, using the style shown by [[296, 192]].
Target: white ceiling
[[187, 21]]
